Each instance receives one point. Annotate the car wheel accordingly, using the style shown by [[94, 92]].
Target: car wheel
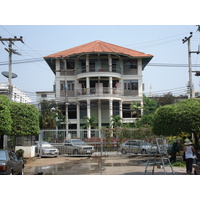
[[144, 151], [22, 172], [75, 152], [124, 151]]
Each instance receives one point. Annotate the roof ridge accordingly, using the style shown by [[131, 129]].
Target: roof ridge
[[99, 46]]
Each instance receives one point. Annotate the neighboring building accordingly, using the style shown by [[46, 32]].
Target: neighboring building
[[17, 94], [45, 95], [98, 79]]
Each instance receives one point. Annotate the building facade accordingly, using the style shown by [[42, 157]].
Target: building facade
[[97, 79], [17, 95]]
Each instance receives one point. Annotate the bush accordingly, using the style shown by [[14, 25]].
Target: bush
[[20, 153]]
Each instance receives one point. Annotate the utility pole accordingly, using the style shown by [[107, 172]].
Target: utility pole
[[11, 51], [187, 39]]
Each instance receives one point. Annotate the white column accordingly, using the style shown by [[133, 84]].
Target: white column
[[110, 84], [110, 109], [78, 119], [140, 67], [140, 91], [110, 62], [88, 85], [99, 117], [57, 80], [87, 63], [120, 109], [88, 115], [111, 114]]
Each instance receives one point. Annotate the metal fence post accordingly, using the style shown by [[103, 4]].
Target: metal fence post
[[40, 143]]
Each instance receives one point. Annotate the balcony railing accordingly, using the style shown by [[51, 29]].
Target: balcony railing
[[93, 68], [99, 91]]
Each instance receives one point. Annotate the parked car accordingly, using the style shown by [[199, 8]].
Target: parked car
[[10, 164], [47, 149], [75, 147], [137, 146]]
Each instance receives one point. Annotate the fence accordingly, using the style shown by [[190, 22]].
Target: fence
[[54, 142]]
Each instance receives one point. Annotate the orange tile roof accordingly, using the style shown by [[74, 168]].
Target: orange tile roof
[[99, 46]]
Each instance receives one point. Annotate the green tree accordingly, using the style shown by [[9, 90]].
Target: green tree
[[90, 122], [166, 99], [181, 117], [5, 118], [49, 115], [116, 121], [149, 108], [136, 109], [25, 119]]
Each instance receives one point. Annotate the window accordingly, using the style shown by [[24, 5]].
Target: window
[[115, 65], [131, 85], [62, 85], [2, 155], [62, 65], [44, 95], [72, 111], [130, 66]]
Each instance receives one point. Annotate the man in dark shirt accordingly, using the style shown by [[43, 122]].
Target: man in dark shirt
[[176, 147]]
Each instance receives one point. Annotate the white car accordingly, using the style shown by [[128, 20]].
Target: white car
[[47, 149], [75, 147], [137, 146]]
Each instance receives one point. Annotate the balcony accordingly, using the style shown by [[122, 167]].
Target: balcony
[[99, 91], [93, 68]]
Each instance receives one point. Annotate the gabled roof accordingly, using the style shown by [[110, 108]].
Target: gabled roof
[[99, 46]]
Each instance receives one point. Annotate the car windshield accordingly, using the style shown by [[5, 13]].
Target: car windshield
[[46, 144], [78, 142], [2, 155]]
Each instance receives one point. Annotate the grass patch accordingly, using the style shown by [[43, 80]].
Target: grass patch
[[178, 164]]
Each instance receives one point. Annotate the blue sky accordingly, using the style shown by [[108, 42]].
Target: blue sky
[[162, 41]]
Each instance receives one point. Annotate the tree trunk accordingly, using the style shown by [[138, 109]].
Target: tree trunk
[[1, 141], [196, 140]]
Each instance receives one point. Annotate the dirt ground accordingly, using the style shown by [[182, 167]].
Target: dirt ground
[[36, 161], [117, 165]]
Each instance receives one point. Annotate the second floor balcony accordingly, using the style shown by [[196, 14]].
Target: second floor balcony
[[99, 92]]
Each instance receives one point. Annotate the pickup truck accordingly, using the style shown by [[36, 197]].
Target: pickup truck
[[75, 147]]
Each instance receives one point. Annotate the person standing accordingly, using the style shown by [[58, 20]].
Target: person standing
[[189, 155], [176, 147]]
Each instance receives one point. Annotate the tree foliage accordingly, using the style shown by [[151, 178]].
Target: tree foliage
[[149, 108], [5, 118], [181, 117], [51, 116], [166, 99], [25, 119], [116, 121], [90, 122]]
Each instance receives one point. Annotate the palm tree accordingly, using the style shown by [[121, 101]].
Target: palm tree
[[136, 107], [90, 122], [116, 121]]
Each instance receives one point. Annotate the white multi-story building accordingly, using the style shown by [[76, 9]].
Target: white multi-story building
[[98, 79], [17, 95]]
